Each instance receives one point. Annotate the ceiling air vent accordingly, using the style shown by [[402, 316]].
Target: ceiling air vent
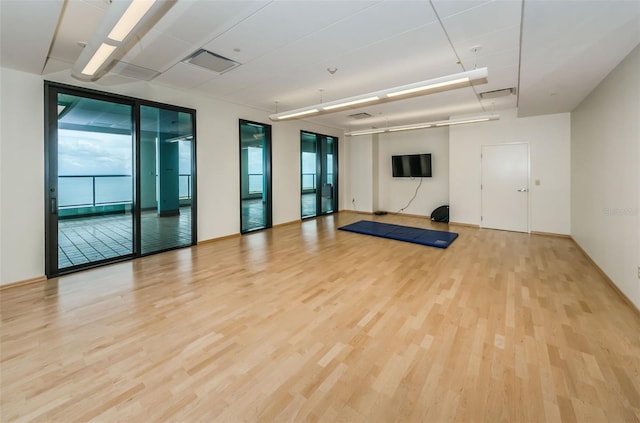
[[211, 61], [497, 93], [360, 115]]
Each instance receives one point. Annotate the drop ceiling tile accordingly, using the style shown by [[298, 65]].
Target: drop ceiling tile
[[546, 39], [484, 19], [500, 103], [31, 30], [236, 79], [561, 66], [359, 71], [416, 55], [279, 24], [493, 43], [78, 23], [448, 8], [157, 51], [185, 76], [419, 50], [386, 20], [198, 22]]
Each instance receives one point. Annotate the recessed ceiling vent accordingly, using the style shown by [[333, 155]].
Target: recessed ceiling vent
[[497, 93], [360, 115], [211, 61]]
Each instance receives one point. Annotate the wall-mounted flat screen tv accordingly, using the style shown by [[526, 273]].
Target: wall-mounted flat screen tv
[[411, 166]]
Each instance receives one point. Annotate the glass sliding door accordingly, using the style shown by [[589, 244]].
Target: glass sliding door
[[319, 176], [309, 169], [255, 176], [90, 186], [328, 159], [166, 179], [119, 178]]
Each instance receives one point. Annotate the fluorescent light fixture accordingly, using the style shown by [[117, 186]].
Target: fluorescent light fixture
[[100, 56], [134, 14], [428, 87], [424, 125], [122, 20], [449, 82], [351, 103], [410, 127], [365, 132], [483, 119], [296, 114]]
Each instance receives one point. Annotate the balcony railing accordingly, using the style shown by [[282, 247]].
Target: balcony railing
[[102, 190], [309, 181], [255, 183]]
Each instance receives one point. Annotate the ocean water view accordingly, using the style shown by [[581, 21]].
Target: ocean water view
[[90, 190]]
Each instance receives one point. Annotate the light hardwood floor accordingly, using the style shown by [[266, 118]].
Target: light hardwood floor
[[307, 323]]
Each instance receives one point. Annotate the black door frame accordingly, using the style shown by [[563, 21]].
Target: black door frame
[[267, 173], [320, 172], [51, 91]]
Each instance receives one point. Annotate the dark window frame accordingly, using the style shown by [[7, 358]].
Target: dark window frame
[[51, 91], [268, 143], [319, 173]]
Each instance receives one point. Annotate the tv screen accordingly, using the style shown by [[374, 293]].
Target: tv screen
[[411, 166]]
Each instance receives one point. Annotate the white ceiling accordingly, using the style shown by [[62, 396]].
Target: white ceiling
[[553, 52]]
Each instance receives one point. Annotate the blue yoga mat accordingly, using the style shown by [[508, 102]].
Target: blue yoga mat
[[439, 239]]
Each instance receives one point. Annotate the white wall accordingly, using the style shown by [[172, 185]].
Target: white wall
[[548, 137], [395, 193], [22, 164], [359, 173], [605, 189], [22, 183]]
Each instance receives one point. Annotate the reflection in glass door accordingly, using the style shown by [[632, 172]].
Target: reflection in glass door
[[166, 179], [319, 178], [89, 181], [255, 176]]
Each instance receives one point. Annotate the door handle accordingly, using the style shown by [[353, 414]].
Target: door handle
[[53, 206], [523, 190]]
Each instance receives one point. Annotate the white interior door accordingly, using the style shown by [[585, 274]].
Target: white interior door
[[505, 187]]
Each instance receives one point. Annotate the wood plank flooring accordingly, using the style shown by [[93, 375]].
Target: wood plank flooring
[[307, 323]]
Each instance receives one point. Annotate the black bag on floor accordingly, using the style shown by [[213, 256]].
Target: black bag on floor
[[440, 214]]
